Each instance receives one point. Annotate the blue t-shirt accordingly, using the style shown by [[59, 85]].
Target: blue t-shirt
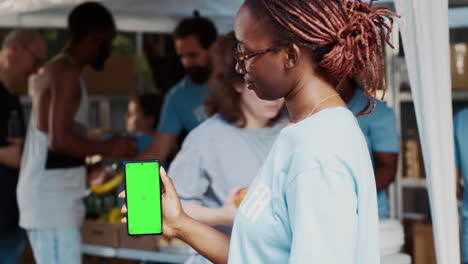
[[460, 126], [143, 140], [314, 199], [380, 130], [183, 107]]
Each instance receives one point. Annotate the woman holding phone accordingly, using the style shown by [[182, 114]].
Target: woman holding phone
[[314, 200]]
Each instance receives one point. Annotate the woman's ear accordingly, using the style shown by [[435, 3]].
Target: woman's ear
[[292, 55]]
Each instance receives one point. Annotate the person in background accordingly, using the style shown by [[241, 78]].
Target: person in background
[[183, 109], [141, 118], [52, 177], [383, 141], [460, 125], [314, 199], [235, 141], [23, 52]]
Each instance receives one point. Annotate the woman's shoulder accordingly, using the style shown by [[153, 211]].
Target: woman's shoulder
[[211, 126], [213, 122], [328, 131]]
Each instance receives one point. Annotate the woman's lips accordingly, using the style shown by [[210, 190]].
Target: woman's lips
[[272, 107]]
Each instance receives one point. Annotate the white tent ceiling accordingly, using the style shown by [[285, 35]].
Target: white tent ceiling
[[131, 15], [143, 15]]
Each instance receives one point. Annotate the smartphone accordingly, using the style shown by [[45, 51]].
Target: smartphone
[[143, 191]]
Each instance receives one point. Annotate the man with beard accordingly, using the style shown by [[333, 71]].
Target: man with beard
[[52, 177], [183, 108]]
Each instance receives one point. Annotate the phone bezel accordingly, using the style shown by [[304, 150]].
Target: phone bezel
[[160, 193]]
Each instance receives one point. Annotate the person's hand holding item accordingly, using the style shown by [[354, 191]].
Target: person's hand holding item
[[123, 147], [240, 195], [97, 175], [229, 207], [174, 216]]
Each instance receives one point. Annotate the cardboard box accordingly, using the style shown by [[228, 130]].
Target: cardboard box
[[459, 65], [413, 165], [148, 242], [423, 244], [100, 233], [118, 77]]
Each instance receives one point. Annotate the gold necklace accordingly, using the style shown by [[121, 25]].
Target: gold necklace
[[321, 102]]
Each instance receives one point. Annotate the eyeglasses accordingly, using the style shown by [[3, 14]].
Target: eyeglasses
[[244, 59]]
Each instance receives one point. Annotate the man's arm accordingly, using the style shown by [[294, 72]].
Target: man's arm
[[385, 142], [165, 139], [64, 105], [386, 169], [163, 145], [10, 155]]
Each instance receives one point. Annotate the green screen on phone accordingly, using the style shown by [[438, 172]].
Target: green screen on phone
[[143, 193]]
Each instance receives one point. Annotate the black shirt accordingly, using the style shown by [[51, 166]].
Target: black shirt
[[9, 215]]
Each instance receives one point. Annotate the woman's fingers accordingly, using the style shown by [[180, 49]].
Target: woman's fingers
[[169, 188], [124, 207]]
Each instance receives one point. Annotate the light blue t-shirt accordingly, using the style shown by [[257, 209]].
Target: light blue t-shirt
[[183, 107], [460, 125], [314, 200], [381, 133]]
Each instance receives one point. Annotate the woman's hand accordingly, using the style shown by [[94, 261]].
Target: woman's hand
[[174, 216], [229, 207]]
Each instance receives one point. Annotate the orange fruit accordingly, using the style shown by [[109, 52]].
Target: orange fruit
[[240, 196]]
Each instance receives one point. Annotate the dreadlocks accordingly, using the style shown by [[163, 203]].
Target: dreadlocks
[[345, 36]]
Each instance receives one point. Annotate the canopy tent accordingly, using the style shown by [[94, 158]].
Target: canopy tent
[[134, 15], [143, 15]]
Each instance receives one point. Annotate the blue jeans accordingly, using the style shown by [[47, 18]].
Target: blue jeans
[[56, 246], [12, 246]]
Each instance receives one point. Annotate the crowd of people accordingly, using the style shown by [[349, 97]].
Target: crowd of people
[[284, 105]]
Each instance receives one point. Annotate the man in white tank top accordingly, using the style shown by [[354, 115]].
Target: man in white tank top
[[52, 177]]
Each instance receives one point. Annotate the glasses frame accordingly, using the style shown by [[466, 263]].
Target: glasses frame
[[242, 57]]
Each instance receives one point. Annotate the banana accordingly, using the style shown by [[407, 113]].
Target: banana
[[108, 185], [115, 216]]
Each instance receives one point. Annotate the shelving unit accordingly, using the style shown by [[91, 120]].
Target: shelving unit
[[404, 184], [133, 254], [395, 98], [413, 182], [457, 95]]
